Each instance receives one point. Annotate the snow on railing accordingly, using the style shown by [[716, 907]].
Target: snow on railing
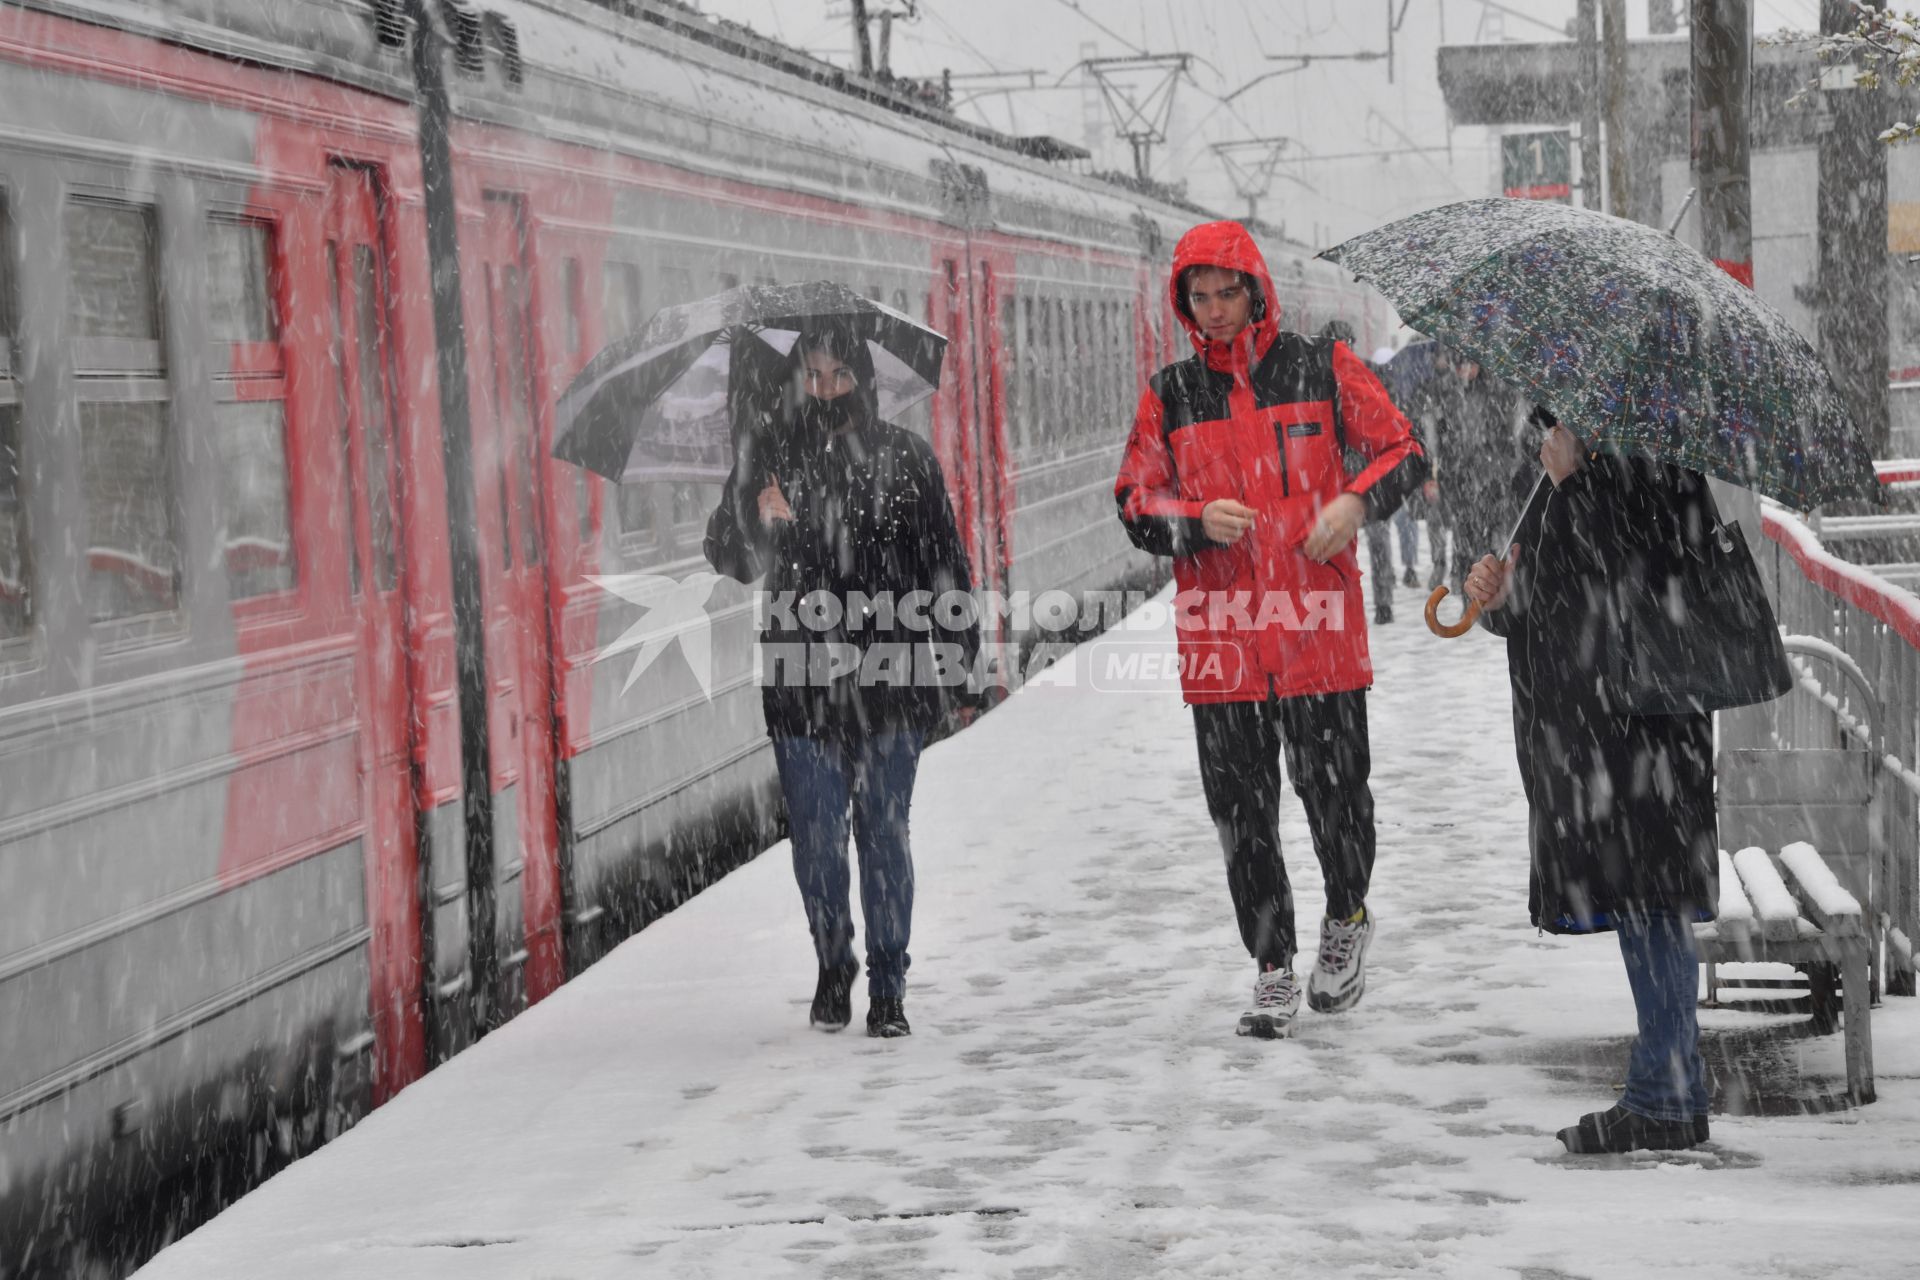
[[1897, 607], [1860, 586]]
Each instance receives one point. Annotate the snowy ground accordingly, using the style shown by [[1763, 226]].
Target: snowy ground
[[1073, 1101]]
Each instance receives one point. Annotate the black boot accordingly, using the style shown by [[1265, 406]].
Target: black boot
[[1382, 612], [833, 998], [1618, 1130], [887, 1018]]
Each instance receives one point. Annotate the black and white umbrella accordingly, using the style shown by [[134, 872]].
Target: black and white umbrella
[[659, 404]]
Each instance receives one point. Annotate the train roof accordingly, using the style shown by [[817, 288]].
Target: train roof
[[659, 81]]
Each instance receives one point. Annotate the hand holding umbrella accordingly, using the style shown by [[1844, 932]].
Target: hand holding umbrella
[[773, 503]]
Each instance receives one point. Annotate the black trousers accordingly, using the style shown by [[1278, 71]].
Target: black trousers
[[1324, 739]]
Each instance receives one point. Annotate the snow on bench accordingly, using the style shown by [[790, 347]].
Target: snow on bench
[[1772, 900], [1734, 920], [1833, 908]]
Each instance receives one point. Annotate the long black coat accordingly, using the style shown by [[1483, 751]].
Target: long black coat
[[1622, 809], [871, 516]]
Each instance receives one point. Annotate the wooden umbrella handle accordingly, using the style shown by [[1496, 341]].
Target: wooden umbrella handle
[[1467, 616]]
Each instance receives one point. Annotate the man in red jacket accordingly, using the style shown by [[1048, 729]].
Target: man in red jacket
[[1235, 468]]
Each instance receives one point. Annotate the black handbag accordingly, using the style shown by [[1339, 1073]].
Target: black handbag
[[1699, 637]]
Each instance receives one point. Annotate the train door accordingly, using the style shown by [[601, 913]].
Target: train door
[[509, 479], [972, 411], [362, 349]]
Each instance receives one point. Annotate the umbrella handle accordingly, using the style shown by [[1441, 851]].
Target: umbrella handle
[[1450, 630]]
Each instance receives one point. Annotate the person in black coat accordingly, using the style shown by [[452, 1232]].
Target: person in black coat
[[1622, 819], [868, 640]]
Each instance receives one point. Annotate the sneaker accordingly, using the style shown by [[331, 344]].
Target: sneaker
[[1410, 578], [887, 1018], [1276, 999], [1340, 974], [833, 998], [1617, 1130]]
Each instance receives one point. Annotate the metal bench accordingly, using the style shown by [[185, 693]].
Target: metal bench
[[1807, 883]]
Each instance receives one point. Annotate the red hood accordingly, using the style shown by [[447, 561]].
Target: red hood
[[1225, 244]]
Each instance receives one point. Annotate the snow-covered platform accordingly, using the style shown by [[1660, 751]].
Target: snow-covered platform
[[1073, 1101]]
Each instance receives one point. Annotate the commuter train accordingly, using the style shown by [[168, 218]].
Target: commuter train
[[236, 875]]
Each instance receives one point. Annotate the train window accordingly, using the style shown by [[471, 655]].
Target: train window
[[114, 300], [252, 446], [639, 504], [16, 578], [1020, 371], [133, 550], [239, 297], [368, 324], [620, 308], [676, 285], [341, 407], [900, 302], [250, 426], [1078, 373], [1009, 384], [692, 504]]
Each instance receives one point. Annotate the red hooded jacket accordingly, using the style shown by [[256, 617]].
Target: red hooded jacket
[[1264, 419]]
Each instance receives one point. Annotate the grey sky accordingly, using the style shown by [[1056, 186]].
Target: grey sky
[[1332, 109]]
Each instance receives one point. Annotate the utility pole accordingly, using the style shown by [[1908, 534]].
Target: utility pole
[[1721, 38], [463, 547], [1722, 33], [1619, 193], [1585, 23], [862, 43], [1850, 293]]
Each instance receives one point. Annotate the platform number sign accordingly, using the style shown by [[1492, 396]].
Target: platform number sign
[[1537, 166]]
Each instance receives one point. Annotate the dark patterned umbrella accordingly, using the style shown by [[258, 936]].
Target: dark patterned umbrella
[[659, 404], [1636, 341]]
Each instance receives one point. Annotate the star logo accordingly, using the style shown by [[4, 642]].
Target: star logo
[[676, 612]]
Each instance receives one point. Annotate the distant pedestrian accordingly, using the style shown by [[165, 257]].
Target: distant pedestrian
[[830, 501], [1235, 468], [1617, 764], [1379, 539], [1406, 525]]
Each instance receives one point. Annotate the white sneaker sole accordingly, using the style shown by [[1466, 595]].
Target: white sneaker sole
[[1266, 1026]]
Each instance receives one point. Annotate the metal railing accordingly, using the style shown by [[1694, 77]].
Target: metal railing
[[1876, 623]]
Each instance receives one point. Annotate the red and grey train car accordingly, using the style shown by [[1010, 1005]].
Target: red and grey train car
[[236, 874]]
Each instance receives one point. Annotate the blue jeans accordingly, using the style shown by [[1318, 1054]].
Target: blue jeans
[[1666, 1078], [820, 779]]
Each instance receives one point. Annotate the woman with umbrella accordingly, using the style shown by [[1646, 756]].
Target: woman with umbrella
[[848, 517], [1622, 801], [1631, 610]]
